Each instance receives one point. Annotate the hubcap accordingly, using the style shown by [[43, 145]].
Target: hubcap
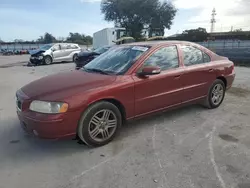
[[47, 60], [102, 125], [217, 94]]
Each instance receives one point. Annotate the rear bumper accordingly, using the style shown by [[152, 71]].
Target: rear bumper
[[230, 79]]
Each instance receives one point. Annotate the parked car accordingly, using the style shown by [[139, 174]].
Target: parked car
[[51, 53], [127, 82], [85, 57]]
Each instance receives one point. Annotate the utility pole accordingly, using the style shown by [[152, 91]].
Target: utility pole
[[213, 21]]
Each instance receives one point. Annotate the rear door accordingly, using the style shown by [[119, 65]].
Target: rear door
[[156, 92], [199, 73]]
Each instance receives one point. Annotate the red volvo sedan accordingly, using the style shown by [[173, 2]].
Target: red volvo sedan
[[127, 82]]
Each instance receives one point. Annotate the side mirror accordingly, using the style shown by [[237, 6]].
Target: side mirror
[[53, 49], [150, 70]]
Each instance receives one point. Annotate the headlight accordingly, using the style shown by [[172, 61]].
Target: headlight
[[48, 107], [40, 57]]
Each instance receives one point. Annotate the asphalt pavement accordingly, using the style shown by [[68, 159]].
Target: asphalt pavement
[[191, 147]]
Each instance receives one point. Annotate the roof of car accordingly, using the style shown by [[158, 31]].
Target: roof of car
[[155, 43], [63, 43]]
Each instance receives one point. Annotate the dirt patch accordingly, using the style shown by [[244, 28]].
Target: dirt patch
[[13, 64], [244, 185], [236, 127], [239, 92], [228, 138], [14, 141], [231, 169]]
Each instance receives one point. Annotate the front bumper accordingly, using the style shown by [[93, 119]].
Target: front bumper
[[49, 126], [36, 61], [79, 65]]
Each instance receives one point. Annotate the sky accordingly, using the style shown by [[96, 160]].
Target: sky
[[29, 19]]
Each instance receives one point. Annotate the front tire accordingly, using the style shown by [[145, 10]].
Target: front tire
[[99, 124], [47, 60], [215, 95]]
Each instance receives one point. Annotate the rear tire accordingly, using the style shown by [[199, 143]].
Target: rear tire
[[215, 95], [47, 60], [99, 124]]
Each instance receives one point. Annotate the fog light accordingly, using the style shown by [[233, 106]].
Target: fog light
[[35, 132]]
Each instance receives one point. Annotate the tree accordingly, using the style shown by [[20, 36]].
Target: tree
[[48, 38], [79, 38], [18, 41], [195, 35], [60, 39], [135, 15], [40, 39], [238, 30], [163, 19]]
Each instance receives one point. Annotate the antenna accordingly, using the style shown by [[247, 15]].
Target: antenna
[[213, 21]]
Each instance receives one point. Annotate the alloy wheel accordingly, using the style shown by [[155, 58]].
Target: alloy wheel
[[217, 94], [102, 125]]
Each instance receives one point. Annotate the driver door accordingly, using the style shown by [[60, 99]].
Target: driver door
[[56, 52], [156, 92]]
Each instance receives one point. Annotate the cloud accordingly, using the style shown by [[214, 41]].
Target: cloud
[[89, 1], [229, 13]]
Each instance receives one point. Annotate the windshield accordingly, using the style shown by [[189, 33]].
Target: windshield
[[46, 47], [101, 50], [117, 60]]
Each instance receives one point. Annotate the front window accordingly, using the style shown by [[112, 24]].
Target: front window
[[166, 58], [117, 60], [46, 47]]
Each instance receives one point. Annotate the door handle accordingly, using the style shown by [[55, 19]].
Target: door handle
[[210, 70], [177, 76]]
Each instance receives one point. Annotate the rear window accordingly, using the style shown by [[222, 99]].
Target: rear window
[[194, 56]]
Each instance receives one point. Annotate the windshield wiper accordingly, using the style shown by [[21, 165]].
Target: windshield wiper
[[97, 70]]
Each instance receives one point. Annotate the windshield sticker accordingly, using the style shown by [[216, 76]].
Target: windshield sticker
[[140, 48]]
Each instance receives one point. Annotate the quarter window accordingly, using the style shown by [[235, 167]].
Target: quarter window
[[165, 58], [206, 58]]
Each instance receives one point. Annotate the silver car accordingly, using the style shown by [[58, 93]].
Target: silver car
[[51, 53]]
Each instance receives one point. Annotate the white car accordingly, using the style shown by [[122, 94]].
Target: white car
[[51, 53]]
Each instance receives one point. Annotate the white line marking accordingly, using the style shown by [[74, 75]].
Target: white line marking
[[92, 168], [158, 160], [215, 166], [74, 178]]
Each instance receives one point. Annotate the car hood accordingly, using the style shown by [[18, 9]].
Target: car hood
[[59, 86], [34, 52]]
